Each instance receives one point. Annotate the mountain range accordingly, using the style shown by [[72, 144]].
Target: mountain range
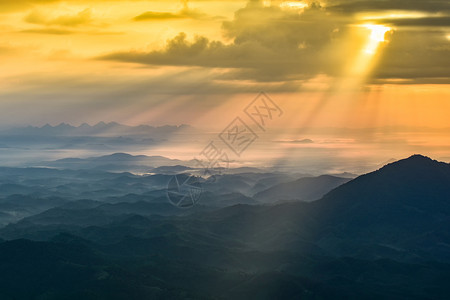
[[121, 162], [25, 145], [382, 235], [99, 129]]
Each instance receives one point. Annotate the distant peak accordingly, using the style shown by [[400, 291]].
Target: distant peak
[[65, 125], [418, 157], [121, 154], [416, 162], [415, 159]]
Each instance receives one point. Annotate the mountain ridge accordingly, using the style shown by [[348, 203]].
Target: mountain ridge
[[101, 128]]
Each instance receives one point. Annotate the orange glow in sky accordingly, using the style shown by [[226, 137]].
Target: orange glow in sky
[[196, 62]]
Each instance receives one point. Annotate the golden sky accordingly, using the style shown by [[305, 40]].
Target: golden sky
[[332, 63]]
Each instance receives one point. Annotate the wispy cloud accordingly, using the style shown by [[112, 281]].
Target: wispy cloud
[[68, 20], [53, 31], [184, 13]]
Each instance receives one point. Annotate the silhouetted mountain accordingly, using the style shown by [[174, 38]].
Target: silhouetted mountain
[[415, 181], [404, 207], [115, 162], [171, 169]]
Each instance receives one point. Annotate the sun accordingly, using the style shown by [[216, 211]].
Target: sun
[[378, 32], [293, 5], [377, 36]]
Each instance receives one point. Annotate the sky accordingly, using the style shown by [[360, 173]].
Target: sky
[[335, 64]]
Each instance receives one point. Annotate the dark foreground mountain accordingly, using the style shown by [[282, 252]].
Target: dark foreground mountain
[[403, 208], [383, 235]]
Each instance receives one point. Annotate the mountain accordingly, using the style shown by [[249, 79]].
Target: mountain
[[401, 212], [383, 235], [25, 192], [117, 162], [304, 189], [416, 181], [30, 145], [403, 208]]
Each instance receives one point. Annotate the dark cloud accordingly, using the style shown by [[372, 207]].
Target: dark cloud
[[268, 43], [416, 54], [420, 22], [353, 6]]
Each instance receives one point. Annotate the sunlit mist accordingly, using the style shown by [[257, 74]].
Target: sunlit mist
[[198, 63]]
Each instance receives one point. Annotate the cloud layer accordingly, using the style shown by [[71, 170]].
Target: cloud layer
[[269, 43]]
